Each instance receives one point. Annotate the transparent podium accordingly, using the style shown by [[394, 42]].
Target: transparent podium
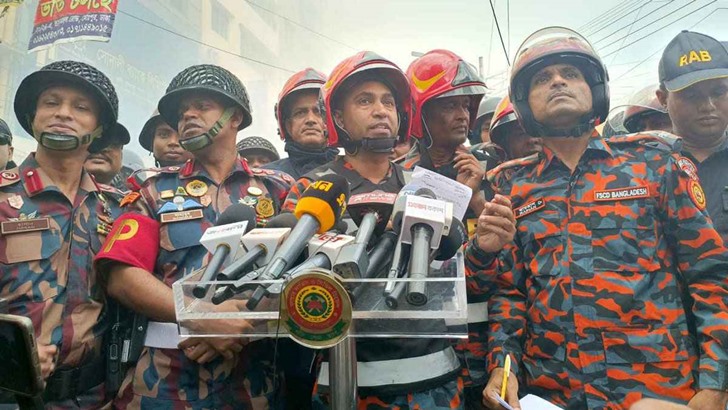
[[320, 310]]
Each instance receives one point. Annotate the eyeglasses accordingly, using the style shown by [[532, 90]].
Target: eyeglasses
[[5, 139]]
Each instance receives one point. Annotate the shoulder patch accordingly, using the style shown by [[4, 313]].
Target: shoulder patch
[[512, 165], [9, 177], [130, 198], [688, 167], [661, 140]]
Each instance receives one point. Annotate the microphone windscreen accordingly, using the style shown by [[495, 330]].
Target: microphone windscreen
[[425, 193], [450, 244], [325, 200], [284, 220], [237, 213]]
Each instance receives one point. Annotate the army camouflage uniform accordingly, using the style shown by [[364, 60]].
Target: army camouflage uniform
[[47, 273], [166, 377], [591, 298]]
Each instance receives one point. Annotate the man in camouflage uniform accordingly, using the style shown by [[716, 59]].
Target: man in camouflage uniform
[[301, 126], [209, 105], [105, 165], [54, 219], [612, 245], [447, 92], [367, 106]]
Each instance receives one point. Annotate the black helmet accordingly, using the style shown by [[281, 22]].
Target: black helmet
[[204, 77], [146, 136], [259, 144], [555, 45], [68, 72], [5, 130]]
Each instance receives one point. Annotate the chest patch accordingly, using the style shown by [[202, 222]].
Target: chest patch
[[621, 194], [529, 208]]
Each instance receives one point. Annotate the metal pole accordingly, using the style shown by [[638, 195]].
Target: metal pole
[[342, 362]]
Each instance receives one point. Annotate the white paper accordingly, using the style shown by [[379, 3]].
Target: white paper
[[531, 402], [445, 188]]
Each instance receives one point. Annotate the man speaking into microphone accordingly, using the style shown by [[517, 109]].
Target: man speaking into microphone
[[207, 105], [367, 108]]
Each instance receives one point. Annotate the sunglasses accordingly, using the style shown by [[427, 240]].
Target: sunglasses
[[5, 139]]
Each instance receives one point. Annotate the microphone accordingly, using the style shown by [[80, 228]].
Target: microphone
[[453, 241], [324, 248], [288, 220], [319, 209], [371, 212], [424, 219], [222, 239], [259, 244], [380, 256], [393, 290]]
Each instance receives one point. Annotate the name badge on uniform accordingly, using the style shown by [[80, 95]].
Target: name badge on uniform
[[25, 225], [529, 208], [180, 216], [621, 194]]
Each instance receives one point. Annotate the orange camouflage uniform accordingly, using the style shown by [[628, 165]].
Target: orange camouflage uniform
[[615, 287]]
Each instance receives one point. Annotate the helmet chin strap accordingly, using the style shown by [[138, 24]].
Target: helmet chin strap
[[66, 142], [375, 145], [203, 140], [586, 124]]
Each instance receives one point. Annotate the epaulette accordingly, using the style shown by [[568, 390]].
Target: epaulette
[[136, 180], [273, 174], [512, 165], [661, 140], [113, 191], [9, 177]]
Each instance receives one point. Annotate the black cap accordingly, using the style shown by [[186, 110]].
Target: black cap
[[690, 58], [5, 130]]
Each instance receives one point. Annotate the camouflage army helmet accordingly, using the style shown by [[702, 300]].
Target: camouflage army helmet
[[205, 78], [74, 73], [257, 145]]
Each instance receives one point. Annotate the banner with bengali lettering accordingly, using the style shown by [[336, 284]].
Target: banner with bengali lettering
[[63, 21]]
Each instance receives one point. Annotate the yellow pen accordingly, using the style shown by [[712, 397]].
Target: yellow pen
[[506, 372]]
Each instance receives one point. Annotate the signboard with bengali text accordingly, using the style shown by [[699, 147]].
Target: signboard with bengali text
[[62, 21]]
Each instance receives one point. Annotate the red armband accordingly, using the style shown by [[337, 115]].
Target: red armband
[[133, 240]]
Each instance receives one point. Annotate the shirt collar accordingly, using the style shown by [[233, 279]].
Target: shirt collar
[[596, 146], [36, 180], [193, 169]]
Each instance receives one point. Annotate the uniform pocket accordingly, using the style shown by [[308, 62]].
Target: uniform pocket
[[659, 360], [179, 235], [624, 244], [647, 345], [543, 244], [30, 270]]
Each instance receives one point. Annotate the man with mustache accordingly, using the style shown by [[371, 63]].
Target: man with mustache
[[612, 285], [162, 142], [169, 214], [367, 108], [694, 90], [301, 125], [106, 164], [447, 93], [54, 218]]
